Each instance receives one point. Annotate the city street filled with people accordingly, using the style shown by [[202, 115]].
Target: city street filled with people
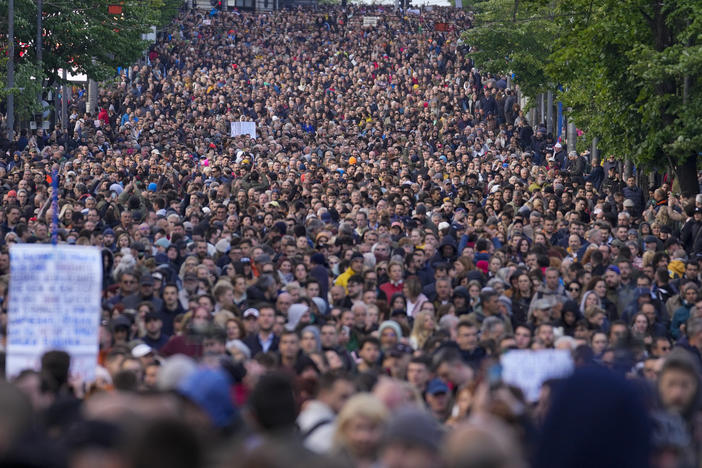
[[342, 288]]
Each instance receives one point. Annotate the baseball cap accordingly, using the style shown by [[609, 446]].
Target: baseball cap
[[436, 386], [163, 242], [141, 350], [120, 322], [147, 280], [250, 312]]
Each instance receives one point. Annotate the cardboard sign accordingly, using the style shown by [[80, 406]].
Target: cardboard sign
[[54, 304], [442, 27], [529, 369], [243, 128], [370, 21]]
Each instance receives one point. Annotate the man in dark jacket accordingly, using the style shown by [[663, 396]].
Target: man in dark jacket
[[446, 252], [576, 164], [612, 182], [596, 176], [635, 194], [320, 272], [690, 231], [264, 340]]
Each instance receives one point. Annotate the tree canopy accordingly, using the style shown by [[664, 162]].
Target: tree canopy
[[629, 71], [82, 35]]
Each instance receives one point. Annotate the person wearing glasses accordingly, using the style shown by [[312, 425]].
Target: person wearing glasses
[[573, 290], [128, 286]]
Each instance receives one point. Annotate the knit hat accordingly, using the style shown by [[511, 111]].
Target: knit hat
[[390, 324], [414, 427], [210, 390]]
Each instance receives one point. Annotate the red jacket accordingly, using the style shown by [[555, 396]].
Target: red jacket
[[390, 289]]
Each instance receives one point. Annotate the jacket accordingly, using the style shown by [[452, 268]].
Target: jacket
[[254, 344], [635, 195], [316, 423]]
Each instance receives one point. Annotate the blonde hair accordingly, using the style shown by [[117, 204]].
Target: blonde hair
[[419, 334], [647, 257], [360, 405]]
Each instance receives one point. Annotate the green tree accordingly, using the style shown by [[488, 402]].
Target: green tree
[[513, 37], [631, 71], [84, 35]]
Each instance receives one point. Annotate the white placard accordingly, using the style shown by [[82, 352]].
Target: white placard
[[243, 128], [54, 305], [207, 22], [370, 21], [529, 369]]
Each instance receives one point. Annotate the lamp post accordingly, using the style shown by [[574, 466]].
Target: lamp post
[[11, 70]]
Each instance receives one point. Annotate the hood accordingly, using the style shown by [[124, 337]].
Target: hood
[[295, 313]]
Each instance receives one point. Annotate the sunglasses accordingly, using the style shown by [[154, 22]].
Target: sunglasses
[[574, 289]]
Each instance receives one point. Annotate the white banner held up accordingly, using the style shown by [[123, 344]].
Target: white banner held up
[[54, 305], [370, 21], [529, 369], [244, 128]]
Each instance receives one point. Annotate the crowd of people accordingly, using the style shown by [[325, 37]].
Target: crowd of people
[[338, 291]]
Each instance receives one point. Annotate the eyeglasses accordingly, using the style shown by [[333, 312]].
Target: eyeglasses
[[574, 289]]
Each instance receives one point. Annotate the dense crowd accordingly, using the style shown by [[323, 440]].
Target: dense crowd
[[338, 291]]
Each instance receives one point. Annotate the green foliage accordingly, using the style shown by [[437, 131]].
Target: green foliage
[[83, 35], [28, 85], [168, 11], [624, 67], [629, 70], [512, 37]]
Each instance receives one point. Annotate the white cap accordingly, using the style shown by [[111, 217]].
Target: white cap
[[251, 311], [141, 350], [444, 225]]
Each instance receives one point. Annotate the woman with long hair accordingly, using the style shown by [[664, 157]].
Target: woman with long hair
[[598, 285], [412, 290], [424, 326], [521, 299]]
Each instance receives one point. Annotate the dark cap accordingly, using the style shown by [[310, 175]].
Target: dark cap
[[436, 386], [650, 240], [147, 280], [120, 321]]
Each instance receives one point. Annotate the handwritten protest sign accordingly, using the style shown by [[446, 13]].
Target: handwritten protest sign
[[54, 305], [370, 21], [243, 128], [529, 369]]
